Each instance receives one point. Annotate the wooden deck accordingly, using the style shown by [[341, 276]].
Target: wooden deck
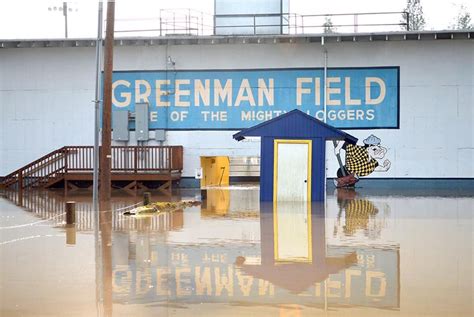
[[131, 165]]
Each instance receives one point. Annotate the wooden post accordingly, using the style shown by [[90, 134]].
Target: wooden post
[[146, 198], [169, 160], [105, 183], [70, 212], [105, 153], [20, 188], [135, 159], [65, 153]]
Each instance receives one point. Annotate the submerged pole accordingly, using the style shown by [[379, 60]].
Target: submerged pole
[[105, 151], [95, 179], [98, 67], [70, 212], [71, 222], [105, 164], [146, 198]]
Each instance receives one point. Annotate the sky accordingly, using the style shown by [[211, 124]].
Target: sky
[[35, 19]]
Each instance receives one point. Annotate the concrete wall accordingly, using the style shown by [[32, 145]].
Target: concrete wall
[[46, 99]]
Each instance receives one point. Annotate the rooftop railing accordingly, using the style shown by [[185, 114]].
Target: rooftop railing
[[187, 22]]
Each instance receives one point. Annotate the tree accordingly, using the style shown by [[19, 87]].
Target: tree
[[328, 26], [463, 20], [415, 20]]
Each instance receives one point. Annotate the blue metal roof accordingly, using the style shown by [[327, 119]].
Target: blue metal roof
[[295, 124]]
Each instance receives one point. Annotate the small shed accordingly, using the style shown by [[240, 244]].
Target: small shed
[[292, 158]]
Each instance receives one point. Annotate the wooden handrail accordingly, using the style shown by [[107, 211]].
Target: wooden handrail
[[34, 162], [48, 176], [42, 164], [134, 159]]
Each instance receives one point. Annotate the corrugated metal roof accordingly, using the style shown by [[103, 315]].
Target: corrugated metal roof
[[251, 39], [295, 124]]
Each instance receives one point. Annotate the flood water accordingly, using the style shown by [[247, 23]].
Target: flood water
[[360, 253]]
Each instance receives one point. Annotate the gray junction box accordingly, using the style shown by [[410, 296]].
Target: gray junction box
[[120, 125], [141, 121], [160, 135]]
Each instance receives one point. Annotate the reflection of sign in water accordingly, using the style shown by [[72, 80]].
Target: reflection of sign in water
[[373, 281], [196, 274], [292, 264], [356, 97]]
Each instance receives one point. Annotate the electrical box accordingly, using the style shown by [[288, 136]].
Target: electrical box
[[160, 135], [198, 173], [141, 121], [120, 125]]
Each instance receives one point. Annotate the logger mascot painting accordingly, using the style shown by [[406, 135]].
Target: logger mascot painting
[[360, 160]]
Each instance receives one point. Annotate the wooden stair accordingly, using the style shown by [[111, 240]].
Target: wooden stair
[[38, 172], [129, 163]]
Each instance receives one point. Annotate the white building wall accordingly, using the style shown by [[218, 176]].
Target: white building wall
[[46, 102], [46, 98]]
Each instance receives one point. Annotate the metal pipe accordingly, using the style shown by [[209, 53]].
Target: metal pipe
[[325, 118], [356, 20], [325, 82], [98, 67], [281, 16], [408, 21], [95, 178], [65, 18]]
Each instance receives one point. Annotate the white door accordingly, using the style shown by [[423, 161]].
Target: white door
[[292, 170]]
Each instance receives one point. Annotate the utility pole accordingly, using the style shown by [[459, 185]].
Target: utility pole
[[105, 152], [105, 164], [65, 9]]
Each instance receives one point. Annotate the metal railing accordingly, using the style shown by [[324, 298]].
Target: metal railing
[[171, 22], [187, 22], [350, 22]]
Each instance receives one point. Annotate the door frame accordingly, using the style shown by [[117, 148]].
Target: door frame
[[276, 142]]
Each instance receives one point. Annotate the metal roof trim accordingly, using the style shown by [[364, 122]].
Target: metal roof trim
[[247, 39]]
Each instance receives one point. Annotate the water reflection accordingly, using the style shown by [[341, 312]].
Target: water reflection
[[357, 214], [238, 202], [292, 263], [70, 234], [140, 261], [50, 205], [341, 255], [293, 248]]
